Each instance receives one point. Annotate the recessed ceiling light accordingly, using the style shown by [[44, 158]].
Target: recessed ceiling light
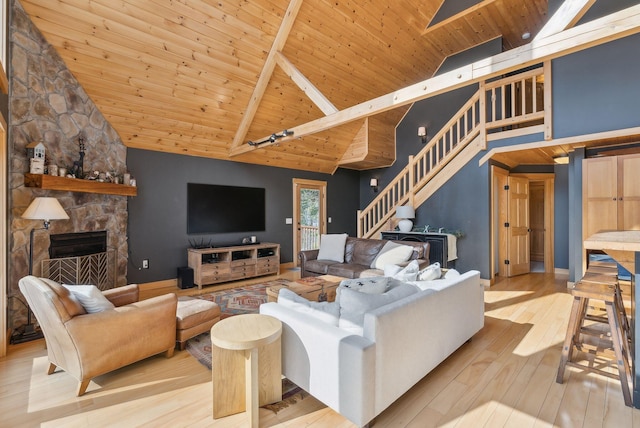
[[526, 35]]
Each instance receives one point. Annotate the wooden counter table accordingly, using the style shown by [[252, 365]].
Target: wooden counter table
[[624, 247]]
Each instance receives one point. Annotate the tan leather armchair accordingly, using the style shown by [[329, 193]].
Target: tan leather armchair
[[88, 345]]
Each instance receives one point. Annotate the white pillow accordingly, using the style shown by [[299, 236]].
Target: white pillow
[[328, 312], [90, 298], [451, 273], [391, 253], [431, 272], [391, 270], [372, 285], [353, 304], [332, 247], [409, 273]]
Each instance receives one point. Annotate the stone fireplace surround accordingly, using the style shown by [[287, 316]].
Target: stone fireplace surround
[[47, 104]]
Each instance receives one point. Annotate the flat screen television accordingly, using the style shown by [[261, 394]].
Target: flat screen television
[[213, 208]]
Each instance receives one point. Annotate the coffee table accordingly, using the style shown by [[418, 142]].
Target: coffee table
[[310, 288]]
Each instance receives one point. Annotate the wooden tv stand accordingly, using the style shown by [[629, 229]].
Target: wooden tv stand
[[221, 264]]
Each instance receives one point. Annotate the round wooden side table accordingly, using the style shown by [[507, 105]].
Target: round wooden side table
[[246, 358]]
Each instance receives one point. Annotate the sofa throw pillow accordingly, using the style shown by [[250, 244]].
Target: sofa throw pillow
[[328, 312], [451, 273], [332, 247], [431, 272], [354, 304], [90, 297], [408, 273], [392, 253], [371, 285]]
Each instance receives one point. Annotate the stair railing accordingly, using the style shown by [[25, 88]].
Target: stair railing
[[513, 101]]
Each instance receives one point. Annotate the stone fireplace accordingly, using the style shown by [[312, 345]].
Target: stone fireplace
[[48, 105]]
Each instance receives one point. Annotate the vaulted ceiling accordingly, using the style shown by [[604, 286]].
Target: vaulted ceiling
[[204, 78]]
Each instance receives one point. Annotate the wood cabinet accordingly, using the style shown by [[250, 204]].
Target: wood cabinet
[[611, 194], [221, 264]]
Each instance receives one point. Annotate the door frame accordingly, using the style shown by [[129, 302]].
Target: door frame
[[300, 183], [499, 212]]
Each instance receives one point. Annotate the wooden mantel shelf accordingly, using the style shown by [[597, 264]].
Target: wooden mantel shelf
[[51, 182]]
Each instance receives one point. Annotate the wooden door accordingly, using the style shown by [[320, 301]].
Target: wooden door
[[629, 192], [537, 220], [600, 195], [518, 227], [309, 214]]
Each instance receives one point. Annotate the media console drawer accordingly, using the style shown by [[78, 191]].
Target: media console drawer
[[220, 264]]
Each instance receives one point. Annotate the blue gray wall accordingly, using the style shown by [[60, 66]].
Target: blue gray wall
[[158, 219], [593, 91]]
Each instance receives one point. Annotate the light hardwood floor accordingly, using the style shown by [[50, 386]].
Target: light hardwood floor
[[504, 377]]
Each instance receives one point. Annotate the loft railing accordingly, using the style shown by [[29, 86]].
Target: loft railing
[[511, 102]]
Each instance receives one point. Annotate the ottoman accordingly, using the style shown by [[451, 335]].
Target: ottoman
[[193, 317]]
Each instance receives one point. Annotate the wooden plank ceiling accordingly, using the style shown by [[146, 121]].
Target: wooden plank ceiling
[[179, 76]]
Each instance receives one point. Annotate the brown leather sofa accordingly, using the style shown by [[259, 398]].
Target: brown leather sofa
[[88, 345], [359, 253]]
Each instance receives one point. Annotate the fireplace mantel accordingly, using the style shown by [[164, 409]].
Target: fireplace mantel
[[51, 182]]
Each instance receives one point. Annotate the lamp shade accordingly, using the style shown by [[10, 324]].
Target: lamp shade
[[405, 211], [45, 209]]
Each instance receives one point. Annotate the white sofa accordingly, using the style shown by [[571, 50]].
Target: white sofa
[[359, 376]]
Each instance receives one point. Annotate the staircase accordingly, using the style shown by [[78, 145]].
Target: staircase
[[515, 102]]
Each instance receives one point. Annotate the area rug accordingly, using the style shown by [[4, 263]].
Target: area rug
[[243, 300]]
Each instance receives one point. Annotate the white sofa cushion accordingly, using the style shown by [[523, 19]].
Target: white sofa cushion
[[354, 304], [332, 247], [429, 273], [328, 312], [90, 297], [372, 285], [391, 253]]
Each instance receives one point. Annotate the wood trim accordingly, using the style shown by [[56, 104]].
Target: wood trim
[[515, 133], [4, 82], [577, 140], [498, 217], [267, 71], [299, 183], [611, 27], [457, 16], [548, 101], [3, 238]]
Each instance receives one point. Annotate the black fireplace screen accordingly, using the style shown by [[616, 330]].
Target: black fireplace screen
[[77, 244]]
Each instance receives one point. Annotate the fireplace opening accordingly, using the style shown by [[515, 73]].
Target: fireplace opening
[[77, 244]]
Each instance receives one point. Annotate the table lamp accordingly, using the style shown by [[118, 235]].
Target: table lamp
[[405, 212], [46, 209]]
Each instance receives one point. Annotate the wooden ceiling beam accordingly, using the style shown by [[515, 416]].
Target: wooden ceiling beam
[[567, 15], [611, 27], [267, 71], [305, 85]]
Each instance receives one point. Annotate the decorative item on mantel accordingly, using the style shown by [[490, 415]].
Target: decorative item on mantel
[[36, 155]]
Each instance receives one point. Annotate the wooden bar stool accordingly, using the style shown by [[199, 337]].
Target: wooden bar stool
[[592, 290]]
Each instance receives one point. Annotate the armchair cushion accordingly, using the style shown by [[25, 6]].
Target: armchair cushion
[[90, 297]]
